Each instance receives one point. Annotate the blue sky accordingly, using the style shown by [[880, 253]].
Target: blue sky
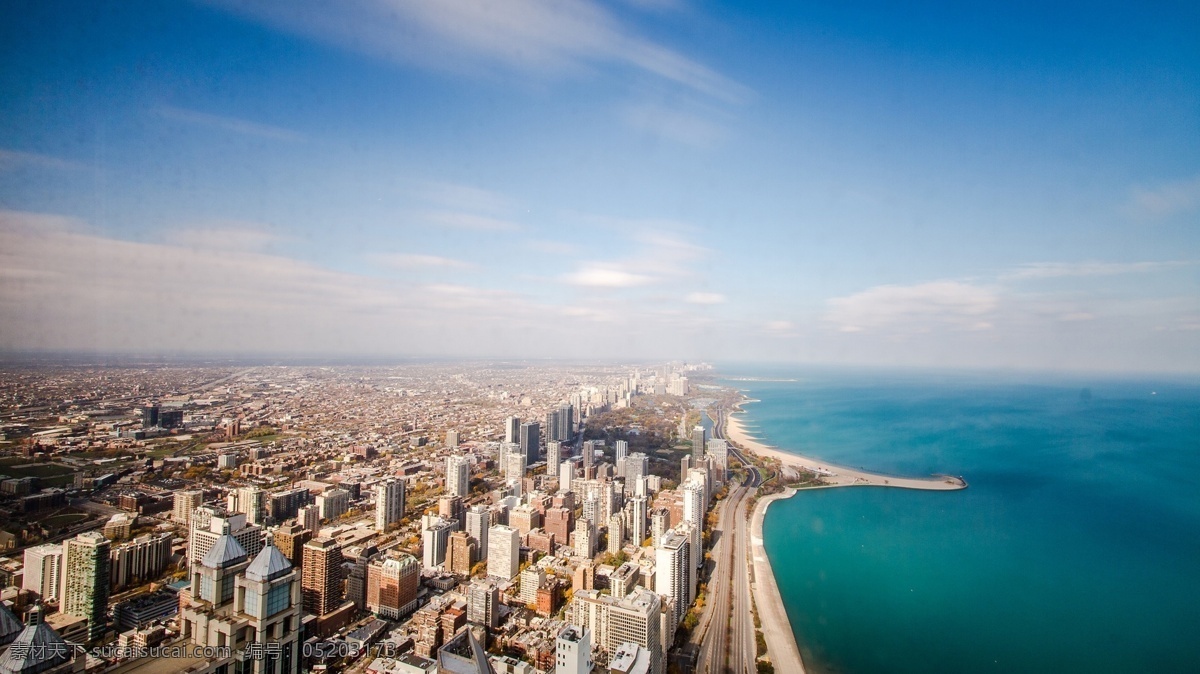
[[909, 184]]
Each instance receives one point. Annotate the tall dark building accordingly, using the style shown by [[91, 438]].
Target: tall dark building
[[150, 416], [530, 437]]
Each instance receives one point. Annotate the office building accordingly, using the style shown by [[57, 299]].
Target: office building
[[482, 599], [718, 456], [637, 466], [622, 450], [585, 538], [249, 501], [460, 554], [86, 580], [616, 533], [512, 430], [504, 552], [333, 504], [211, 522], [699, 442], [530, 439], [392, 585], [321, 580], [566, 472], [290, 539], [553, 458], [672, 570], [309, 517], [234, 597], [614, 621], [452, 439], [389, 503], [143, 559]]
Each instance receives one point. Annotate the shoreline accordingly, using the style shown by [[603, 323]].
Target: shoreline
[[833, 474], [782, 648]]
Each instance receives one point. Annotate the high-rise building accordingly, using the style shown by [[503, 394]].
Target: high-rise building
[[637, 465], [233, 596], [185, 502], [482, 599], [718, 455], [321, 585], [560, 522], [333, 503], [392, 585], [699, 442], [524, 519], [284, 505], [479, 520], [309, 517], [531, 580], [622, 450], [86, 580], [637, 519], [693, 514], [460, 553], [512, 429], [585, 538], [43, 571], [566, 471], [452, 439], [211, 522], [573, 651], [553, 458], [504, 552], [290, 539], [624, 578], [249, 501], [451, 508], [458, 476], [660, 523], [143, 559], [529, 440], [672, 569], [614, 621], [616, 533], [435, 538], [389, 503], [589, 458]]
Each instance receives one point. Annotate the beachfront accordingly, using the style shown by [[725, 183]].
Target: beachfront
[[782, 648]]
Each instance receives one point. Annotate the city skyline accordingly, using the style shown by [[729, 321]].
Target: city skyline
[[918, 186]]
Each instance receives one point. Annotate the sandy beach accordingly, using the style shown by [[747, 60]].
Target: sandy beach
[[834, 475], [776, 628]]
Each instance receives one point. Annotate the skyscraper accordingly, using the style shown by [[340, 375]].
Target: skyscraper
[[435, 538], [309, 517], [460, 553], [322, 576], [512, 429], [290, 539], [622, 449], [452, 439], [671, 571], [553, 458], [566, 471], [699, 443], [392, 585], [389, 503], [530, 439], [86, 580], [458, 476], [504, 552], [479, 520], [185, 502], [482, 599]]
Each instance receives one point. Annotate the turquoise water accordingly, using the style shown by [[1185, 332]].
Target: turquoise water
[[1076, 547]]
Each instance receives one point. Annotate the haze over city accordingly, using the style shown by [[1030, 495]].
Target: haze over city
[[911, 185]]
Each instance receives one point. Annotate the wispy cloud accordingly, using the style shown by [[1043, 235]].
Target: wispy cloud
[[673, 124], [232, 124], [472, 221], [1046, 270], [225, 235], [598, 276], [12, 159], [416, 261], [914, 307], [529, 35], [704, 298], [1182, 196], [553, 247]]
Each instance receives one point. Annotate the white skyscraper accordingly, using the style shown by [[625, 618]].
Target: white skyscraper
[[504, 552], [566, 471], [671, 571], [585, 538], [435, 538], [573, 651], [693, 513], [458, 476], [622, 450], [389, 503], [553, 456], [43, 571], [479, 520]]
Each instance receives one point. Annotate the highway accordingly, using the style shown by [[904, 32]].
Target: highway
[[725, 631]]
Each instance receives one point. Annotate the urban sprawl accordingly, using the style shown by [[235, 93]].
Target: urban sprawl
[[488, 517]]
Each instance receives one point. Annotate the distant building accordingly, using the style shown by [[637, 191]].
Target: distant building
[[512, 429], [435, 539], [389, 503], [699, 443], [458, 476], [504, 552], [185, 502], [142, 560], [530, 439]]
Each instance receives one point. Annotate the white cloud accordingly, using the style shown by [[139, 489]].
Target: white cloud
[[704, 298], [224, 123], [461, 220], [416, 261], [680, 126], [1165, 200], [553, 247], [1044, 270], [529, 35], [596, 276], [11, 160], [914, 308], [224, 235]]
